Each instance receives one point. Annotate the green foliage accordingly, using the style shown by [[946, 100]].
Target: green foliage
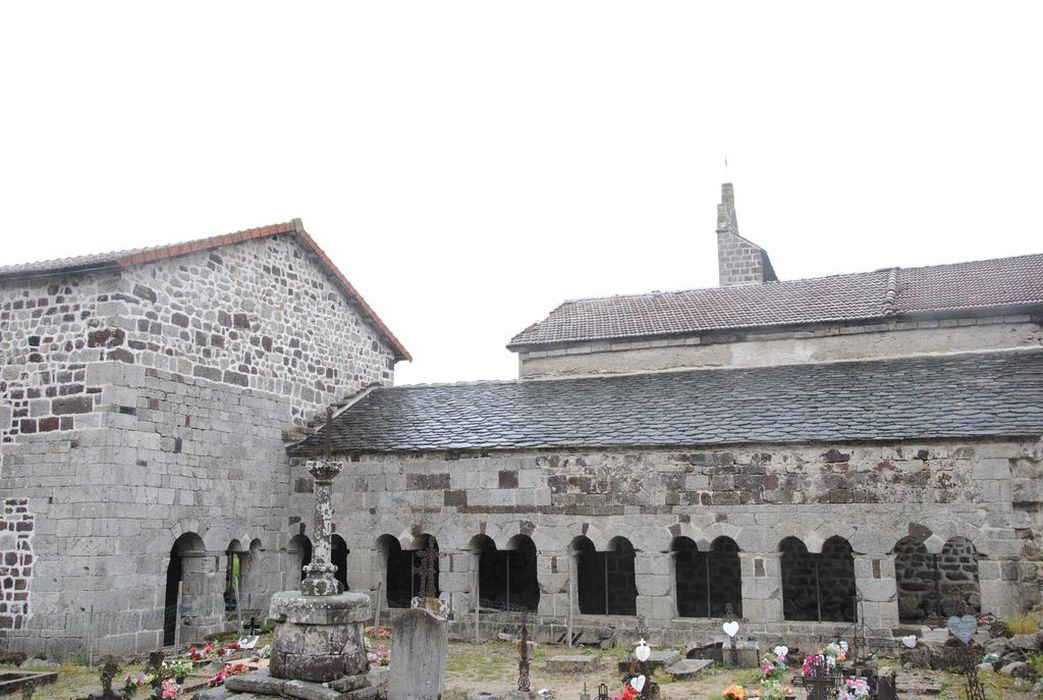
[[1036, 663]]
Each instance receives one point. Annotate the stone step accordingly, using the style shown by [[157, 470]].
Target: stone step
[[573, 663], [687, 668]]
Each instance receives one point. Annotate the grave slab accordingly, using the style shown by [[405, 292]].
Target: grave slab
[[573, 663], [659, 658], [687, 668]]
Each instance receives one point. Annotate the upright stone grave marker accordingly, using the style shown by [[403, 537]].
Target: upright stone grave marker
[[421, 643]]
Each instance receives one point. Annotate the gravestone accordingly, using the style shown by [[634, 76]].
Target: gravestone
[[418, 655]]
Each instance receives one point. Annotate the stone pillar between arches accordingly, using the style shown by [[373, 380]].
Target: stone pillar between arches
[[761, 587], [875, 580]]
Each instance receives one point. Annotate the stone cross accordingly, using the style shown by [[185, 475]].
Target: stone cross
[[319, 575]]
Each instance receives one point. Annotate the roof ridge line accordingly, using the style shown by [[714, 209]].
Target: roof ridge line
[[890, 305]]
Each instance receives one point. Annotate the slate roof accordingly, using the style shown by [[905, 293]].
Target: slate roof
[[119, 260], [966, 395], [1003, 282]]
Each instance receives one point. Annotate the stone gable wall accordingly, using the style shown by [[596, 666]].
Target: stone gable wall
[[872, 496], [139, 406]]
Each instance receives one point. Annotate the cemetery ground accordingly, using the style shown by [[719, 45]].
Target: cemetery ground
[[493, 667]]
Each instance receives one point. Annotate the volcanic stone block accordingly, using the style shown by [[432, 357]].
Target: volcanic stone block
[[318, 638]]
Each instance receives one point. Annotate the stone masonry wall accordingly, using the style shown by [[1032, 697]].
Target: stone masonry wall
[[16, 562], [155, 403], [871, 496], [824, 343], [739, 262]]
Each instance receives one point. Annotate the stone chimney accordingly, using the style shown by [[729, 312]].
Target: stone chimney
[[738, 260]]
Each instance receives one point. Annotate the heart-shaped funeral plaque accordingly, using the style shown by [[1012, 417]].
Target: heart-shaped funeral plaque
[[642, 651], [963, 628], [730, 628], [780, 652], [909, 640], [637, 683]]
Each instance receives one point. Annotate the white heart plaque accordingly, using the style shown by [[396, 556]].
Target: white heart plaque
[[637, 683], [642, 651], [780, 652], [843, 647], [963, 628], [909, 640], [730, 628]]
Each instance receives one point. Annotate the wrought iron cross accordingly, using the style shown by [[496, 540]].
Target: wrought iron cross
[[523, 662], [966, 659], [428, 570]]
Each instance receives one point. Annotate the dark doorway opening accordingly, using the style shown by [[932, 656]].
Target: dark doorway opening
[[707, 583], [507, 578], [606, 584], [188, 544], [339, 555], [818, 587]]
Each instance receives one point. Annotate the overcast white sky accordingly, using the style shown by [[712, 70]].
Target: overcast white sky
[[471, 165]]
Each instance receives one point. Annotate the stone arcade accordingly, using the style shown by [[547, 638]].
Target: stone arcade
[[798, 453]]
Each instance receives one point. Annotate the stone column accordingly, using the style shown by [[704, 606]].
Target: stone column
[[761, 586], [998, 583], [655, 586], [875, 580], [319, 578]]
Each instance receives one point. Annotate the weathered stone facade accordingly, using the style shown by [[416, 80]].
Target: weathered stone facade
[[757, 496], [766, 347], [150, 403]]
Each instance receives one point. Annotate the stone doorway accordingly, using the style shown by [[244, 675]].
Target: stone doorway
[[818, 587], [188, 570], [299, 553], [707, 582], [339, 556]]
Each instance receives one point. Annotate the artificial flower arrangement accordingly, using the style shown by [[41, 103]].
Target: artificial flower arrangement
[[381, 656], [178, 669], [629, 693], [855, 688], [829, 656], [734, 692], [200, 653], [230, 669], [234, 646], [773, 664], [133, 681], [171, 689]]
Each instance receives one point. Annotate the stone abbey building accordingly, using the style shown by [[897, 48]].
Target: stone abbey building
[[804, 455]]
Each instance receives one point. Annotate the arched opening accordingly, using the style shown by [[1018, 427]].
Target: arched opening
[[818, 587], [916, 577], [407, 570], [299, 552], [339, 556], [250, 577], [187, 546], [605, 581], [507, 578], [936, 586], [233, 575], [707, 583]]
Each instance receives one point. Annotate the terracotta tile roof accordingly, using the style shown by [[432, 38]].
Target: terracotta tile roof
[[1002, 282], [953, 396], [127, 258]]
